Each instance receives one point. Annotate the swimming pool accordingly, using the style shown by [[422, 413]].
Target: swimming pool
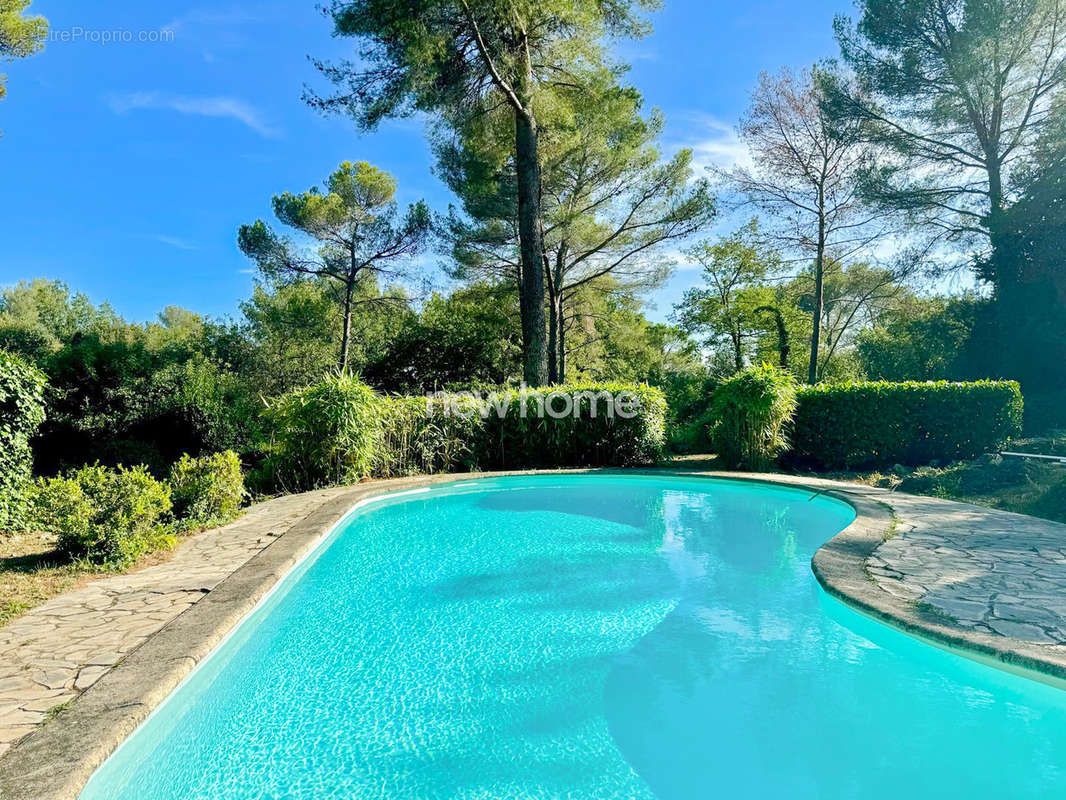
[[585, 636]]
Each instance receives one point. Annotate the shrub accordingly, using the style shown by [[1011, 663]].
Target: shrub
[[877, 424], [749, 413], [324, 434], [338, 431], [108, 516], [21, 413], [587, 436], [207, 490], [416, 440]]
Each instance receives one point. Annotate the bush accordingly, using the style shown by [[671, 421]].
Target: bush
[[21, 413], [325, 434], [415, 440], [588, 436], [338, 431], [207, 490], [108, 516], [877, 424], [749, 413]]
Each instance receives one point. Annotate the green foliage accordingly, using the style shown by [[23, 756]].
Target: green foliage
[[125, 393], [1045, 413], [107, 516], [323, 434], [749, 414], [920, 339], [469, 338], [416, 439], [20, 35], [726, 311], [208, 490], [338, 431], [21, 413], [357, 232], [935, 87], [422, 55], [588, 436], [877, 424]]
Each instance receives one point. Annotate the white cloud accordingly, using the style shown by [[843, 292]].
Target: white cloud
[[221, 107], [713, 143], [174, 241], [212, 18]]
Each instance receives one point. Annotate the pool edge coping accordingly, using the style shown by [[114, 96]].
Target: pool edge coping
[[56, 761]]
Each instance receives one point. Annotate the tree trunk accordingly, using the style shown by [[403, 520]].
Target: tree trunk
[[527, 166], [738, 350], [783, 348], [346, 335], [819, 280], [1002, 271], [562, 344], [553, 336]]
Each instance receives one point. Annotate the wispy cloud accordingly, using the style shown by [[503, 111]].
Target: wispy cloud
[[174, 241], [713, 143], [213, 18], [221, 107]]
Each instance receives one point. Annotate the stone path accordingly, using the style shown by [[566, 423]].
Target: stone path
[[977, 569], [54, 652]]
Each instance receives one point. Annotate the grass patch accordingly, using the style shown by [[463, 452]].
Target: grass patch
[[1025, 486], [32, 572]]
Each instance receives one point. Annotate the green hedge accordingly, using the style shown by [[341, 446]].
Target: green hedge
[[21, 413], [586, 437], [339, 431], [877, 424]]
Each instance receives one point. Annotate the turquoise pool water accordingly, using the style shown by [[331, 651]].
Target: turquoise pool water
[[585, 637]]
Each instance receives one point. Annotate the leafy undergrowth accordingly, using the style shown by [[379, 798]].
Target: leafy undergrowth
[[1026, 486]]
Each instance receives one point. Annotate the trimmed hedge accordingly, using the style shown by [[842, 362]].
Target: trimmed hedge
[[21, 413], [866, 425], [338, 431]]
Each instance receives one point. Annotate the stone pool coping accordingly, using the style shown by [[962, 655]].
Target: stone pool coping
[[57, 759]]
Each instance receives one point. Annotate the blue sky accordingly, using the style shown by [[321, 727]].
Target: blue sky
[[128, 166]]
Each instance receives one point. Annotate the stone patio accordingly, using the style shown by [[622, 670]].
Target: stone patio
[[54, 652], [979, 569]]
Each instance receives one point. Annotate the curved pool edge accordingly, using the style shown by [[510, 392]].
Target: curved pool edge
[[840, 568], [57, 760]]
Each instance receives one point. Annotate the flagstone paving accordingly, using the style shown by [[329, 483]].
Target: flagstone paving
[[978, 569], [57, 650]]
